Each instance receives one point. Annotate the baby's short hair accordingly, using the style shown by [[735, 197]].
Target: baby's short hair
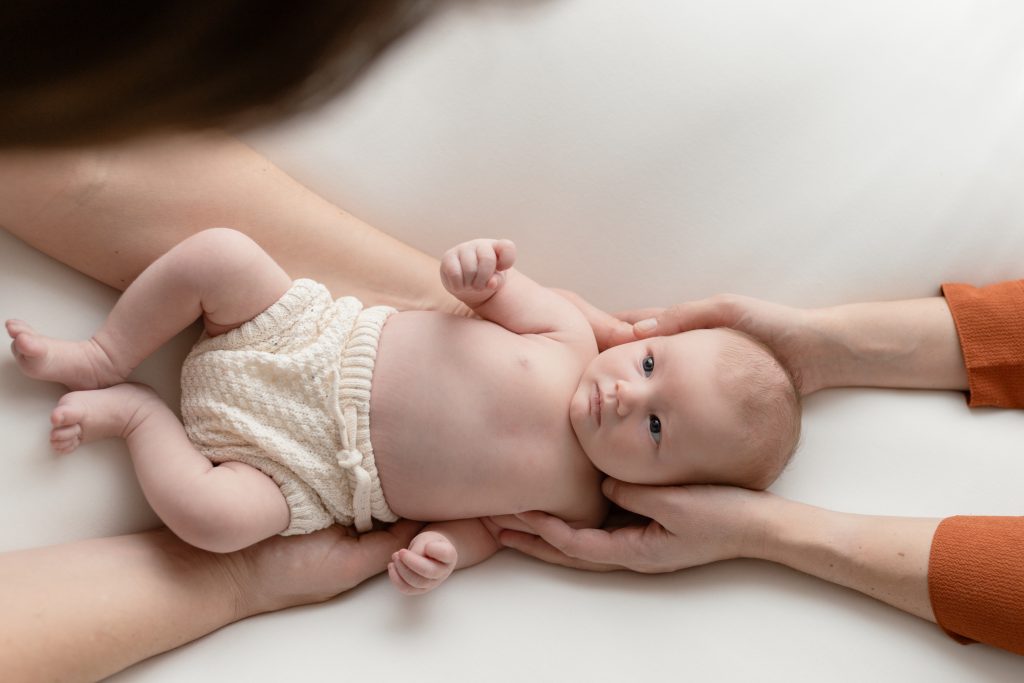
[[769, 403]]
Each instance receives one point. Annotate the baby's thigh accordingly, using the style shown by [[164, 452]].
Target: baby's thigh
[[235, 278]]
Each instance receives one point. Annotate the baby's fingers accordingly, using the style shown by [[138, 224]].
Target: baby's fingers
[[426, 567], [441, 551], [411, 576], [505, 252], [486, 262], [400, 583], [469, 264], [451, 271]]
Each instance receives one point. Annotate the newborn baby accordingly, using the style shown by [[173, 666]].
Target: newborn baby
[[301, 411]]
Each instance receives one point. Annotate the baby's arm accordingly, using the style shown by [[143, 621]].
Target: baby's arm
[[440, 549], [480, 274], [608, 330]]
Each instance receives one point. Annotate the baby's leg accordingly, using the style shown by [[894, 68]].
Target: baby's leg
[[218, 274], [221, 509]]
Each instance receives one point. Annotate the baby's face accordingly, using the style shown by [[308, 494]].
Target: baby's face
[[656, 412]]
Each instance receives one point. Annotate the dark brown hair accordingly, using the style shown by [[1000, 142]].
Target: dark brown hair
[[77, 72]]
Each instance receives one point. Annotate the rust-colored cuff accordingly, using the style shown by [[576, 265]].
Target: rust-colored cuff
[[976, 580], [990, 322]]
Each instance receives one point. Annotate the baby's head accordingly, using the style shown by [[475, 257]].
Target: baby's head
[[706, 406]]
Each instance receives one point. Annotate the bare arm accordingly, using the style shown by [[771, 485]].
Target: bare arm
[[440, 549], [910, 344], [479, 273], [111, 212], [85, 610], [883, 557], [608, 330]]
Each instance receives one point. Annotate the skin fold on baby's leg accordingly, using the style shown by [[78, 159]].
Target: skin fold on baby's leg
[[227, 279], [218, 274], [218, 508]]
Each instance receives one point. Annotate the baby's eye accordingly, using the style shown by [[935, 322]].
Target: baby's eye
[[648, 365], [654, 427]]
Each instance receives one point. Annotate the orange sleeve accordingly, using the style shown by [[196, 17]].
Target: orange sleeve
[[976, 580], [990, 322], [976, 568]]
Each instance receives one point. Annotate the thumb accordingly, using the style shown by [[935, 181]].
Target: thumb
[[377, 546], [505, 251]]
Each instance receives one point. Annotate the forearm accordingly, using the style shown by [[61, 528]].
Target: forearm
[[110, 213], [908, 344], [608, 330], [82, 611], [885, 558]]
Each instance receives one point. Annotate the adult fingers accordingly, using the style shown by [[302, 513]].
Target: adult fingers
[[638, 314], [537, 547], [590, 545], [722, 310]]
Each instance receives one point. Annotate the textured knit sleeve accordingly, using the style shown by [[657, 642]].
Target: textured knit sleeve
[[976, 569], [990, 322], [976, 580]]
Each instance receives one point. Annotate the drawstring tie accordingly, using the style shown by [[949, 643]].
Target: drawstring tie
[[350, 459]]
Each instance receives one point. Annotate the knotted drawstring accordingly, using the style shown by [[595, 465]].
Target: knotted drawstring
[[350, 459]]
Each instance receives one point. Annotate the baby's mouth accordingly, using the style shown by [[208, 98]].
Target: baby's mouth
[[595, 404]]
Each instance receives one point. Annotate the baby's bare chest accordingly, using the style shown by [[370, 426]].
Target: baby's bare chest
[[473, 414]]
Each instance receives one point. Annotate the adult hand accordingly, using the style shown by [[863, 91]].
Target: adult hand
[[284, 571], [690, 526], [797, 336], [911, 343]]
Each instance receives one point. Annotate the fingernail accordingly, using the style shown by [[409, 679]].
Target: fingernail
[[645, 325]]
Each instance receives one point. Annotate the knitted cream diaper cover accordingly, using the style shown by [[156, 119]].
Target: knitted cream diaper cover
[[289, 393]]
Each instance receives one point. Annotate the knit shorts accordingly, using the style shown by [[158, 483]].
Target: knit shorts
[[288, 393]]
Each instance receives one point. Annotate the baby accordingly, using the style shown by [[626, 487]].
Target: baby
[[471, 418]]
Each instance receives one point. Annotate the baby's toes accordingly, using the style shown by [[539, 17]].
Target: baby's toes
[[66, 439], [66, 433], [27, 345], [16, 327], [67, 413], [65, 447]]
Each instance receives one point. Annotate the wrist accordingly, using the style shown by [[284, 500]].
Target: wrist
[[217, 582], [828, 354], [847, 347], [768, 534]]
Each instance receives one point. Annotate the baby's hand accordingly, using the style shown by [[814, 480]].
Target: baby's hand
[[473, 271], [428, 561]]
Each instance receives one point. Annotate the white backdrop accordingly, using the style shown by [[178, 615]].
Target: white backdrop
[[639, 153]]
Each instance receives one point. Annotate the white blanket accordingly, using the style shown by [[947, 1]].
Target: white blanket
[[639, 153]]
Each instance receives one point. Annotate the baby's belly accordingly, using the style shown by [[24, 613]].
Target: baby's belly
[[468, 419]]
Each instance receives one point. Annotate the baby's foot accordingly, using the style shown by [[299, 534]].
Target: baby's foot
[[84, 416], [75, 364]]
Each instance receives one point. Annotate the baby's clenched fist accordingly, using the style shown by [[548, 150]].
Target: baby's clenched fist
[[473, 271], [424, 565]]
